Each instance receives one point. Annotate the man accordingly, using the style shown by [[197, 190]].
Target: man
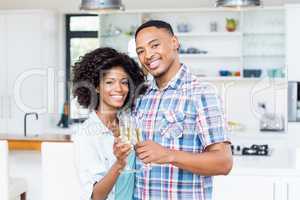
[[182, 121]]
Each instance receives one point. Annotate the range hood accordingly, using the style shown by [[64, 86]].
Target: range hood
[[237, 3], [101, 5]]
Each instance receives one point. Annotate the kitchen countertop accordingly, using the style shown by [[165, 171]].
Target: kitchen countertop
[[284, 172], [38, 138], [32, 142]]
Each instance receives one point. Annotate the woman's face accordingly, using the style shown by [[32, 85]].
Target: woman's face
[[113, 89]]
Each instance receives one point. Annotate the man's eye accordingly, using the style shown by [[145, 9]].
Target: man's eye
[[139, 52], [108, 82], [155, 45]]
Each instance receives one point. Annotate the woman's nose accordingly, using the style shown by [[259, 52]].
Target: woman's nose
[[118, 87]]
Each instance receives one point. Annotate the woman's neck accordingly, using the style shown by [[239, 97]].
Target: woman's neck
[[109, 119], [107, 116]]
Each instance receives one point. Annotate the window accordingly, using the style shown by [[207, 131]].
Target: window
[[81, 37]]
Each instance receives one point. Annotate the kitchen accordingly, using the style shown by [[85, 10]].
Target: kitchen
[[33, 38]]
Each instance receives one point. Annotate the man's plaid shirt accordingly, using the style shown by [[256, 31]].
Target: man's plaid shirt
[[186, 115]]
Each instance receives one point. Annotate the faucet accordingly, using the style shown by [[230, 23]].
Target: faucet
[[25, 120]]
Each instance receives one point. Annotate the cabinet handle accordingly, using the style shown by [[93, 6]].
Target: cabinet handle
[[2, 99], [287, 191], [9, 107], [274, 191]]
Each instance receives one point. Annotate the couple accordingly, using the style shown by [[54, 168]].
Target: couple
[[181, 118]]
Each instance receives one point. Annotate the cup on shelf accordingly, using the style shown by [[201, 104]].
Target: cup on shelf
[[213, 26], [183, 28]]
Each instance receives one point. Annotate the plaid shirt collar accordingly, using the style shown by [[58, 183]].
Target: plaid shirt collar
[[176, 82]]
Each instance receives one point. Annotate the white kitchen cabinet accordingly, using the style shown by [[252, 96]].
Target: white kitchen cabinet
[[293, 186], [264, 40], [293, 41], [3, 79], [257, 43], [30, 53], [250, 187], [244, 187]]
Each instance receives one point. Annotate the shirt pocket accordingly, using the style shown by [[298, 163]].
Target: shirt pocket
[[190, 124], [171, 125]]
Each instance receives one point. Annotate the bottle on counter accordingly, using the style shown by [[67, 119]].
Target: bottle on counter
[[298, 111]]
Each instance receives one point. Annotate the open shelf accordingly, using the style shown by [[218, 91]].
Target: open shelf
[[264, 33], [219, 78], [209, 34], [264, 55], [208, 56]]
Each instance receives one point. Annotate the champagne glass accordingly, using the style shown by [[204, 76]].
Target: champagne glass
[[140, 138], [131, 133], [128, 136]]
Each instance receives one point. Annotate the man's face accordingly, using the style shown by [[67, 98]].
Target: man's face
[[157, 50]]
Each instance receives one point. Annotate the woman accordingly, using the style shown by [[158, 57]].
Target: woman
[[105, 81]]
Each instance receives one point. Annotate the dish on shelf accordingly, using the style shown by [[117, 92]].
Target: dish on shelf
[[226, 73], [192, 50], [248, 73]]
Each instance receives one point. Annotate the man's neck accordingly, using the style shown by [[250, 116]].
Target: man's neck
[[164, 80]]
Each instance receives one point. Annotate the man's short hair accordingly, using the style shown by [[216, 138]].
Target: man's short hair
[[157, 24]]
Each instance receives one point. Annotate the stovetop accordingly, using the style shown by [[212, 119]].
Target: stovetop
[[251, 150]]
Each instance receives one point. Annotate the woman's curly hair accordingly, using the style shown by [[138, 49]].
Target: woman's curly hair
[[87, 72]]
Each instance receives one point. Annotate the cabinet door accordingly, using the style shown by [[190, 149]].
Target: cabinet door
[[27, 76], [243, 187], [3, 78], [293, 186], [293, 41]]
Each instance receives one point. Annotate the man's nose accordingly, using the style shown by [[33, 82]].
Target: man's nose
[[149, 53]]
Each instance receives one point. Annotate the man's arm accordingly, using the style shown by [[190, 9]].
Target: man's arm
[[215, 160]]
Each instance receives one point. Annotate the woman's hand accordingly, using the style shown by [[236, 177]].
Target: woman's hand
[[121, 151]]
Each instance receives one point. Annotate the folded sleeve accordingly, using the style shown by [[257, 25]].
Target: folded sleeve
[[89, 163], [211, 121]]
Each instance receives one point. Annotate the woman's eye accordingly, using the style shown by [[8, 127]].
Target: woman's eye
[[125, 82], [108, 82]]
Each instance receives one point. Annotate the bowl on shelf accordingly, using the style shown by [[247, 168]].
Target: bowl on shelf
[[224, 73], [250, 73]]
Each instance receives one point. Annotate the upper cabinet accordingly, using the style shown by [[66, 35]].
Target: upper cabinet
[[293, 41], [28, 53], [213, 42], [2, 71]]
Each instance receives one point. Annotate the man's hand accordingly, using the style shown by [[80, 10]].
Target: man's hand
[[151, 152], [121, 151]]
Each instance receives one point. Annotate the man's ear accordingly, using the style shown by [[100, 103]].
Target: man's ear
[[175, 42]]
